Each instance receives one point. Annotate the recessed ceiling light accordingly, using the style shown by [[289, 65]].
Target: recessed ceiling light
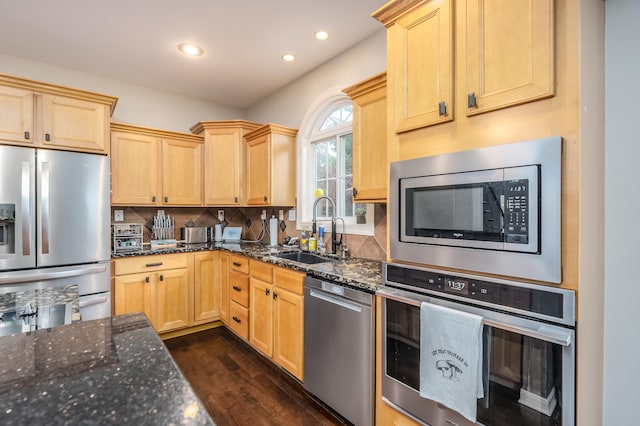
[[288, 57], [322, 35], [190, 49]]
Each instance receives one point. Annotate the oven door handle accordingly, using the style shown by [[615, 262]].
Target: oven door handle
[[543, 332]]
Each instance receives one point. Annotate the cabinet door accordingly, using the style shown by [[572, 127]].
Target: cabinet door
[[134, 293], [510, 55], [288, 331], [259, 169], [181, 172], [172, 299], [420, 66], [370, 179], [206, 288], [16, 115], [134, 169], [222, 277], [74, 124], [261, 316], [223, 156]]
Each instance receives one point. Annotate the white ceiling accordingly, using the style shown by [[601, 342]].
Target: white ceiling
[[136, 40]]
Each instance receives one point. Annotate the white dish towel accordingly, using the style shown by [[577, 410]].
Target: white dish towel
[[451, 358]]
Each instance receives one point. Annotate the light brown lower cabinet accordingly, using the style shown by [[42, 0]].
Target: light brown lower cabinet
[[276, 315], [156, 285], [206, 287], [238, 289], [175, 291]]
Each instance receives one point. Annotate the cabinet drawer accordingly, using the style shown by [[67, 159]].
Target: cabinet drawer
[[262, 271], [239, 263], [132, 265], [239, 288], [290, 280], [239, 320]]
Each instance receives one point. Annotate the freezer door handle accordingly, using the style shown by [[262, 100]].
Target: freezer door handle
[[93, 301], [45, 198], [17, 277], [26, 206]]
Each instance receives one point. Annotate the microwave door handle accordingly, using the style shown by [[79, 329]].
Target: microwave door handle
[[45, 199], [26, 208]]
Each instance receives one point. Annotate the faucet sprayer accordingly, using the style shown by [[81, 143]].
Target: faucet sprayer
[[334, 242]]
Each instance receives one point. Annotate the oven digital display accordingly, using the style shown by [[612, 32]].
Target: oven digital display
[[456, 285]]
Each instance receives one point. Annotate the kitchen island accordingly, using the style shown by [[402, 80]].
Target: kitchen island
[[107, 371]]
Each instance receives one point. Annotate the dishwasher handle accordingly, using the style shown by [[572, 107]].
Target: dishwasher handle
[[335, 300]]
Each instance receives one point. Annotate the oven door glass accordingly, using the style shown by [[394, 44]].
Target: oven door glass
[[522, 375]]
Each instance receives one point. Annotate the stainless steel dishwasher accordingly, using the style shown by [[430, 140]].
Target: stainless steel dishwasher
[[338, 348]]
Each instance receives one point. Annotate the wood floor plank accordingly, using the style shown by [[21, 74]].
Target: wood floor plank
[[239, 386]]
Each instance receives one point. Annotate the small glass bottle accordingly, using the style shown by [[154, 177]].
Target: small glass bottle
[[303, 241], [322, 248], [312, 244]]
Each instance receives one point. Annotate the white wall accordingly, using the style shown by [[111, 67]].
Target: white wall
[[288, 105], [622, 215], [139, 105]]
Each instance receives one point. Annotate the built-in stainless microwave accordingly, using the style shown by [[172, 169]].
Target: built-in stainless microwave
[[495, 210]]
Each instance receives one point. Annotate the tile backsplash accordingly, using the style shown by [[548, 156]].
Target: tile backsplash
[[368, 247]]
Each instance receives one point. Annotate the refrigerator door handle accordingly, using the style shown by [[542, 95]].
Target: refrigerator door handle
[[45, 198], [26, 213]]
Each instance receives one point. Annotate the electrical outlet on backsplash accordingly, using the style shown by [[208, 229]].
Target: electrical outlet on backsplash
[[368, 247]]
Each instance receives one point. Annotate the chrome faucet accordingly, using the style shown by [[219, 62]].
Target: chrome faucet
[[334, 242]]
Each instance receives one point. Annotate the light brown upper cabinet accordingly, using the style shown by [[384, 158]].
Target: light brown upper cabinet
[[224, 157], [509, 52], [419, 62], [370, 178], [155, 167], [44, 115], [271, 166]]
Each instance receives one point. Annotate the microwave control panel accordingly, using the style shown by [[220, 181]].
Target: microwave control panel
[[516, 211]]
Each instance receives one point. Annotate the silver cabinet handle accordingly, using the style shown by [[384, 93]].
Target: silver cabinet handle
[[26, 207], [45, 198]]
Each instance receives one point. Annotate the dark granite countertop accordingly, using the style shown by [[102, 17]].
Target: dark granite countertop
[[107, 371], [360, 273]]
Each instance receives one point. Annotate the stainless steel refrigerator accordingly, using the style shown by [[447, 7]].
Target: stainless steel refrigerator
[[55, 224]]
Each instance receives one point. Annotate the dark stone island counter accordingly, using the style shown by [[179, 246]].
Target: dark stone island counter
[[107, 371]]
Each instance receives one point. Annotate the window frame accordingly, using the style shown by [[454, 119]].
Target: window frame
[[324, 104]]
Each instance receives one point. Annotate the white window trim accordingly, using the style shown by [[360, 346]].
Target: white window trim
[[305, 188]]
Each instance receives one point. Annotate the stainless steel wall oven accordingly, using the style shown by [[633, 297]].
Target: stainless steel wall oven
[[528, 355]]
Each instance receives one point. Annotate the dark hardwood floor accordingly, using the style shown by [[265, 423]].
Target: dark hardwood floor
[[238, 386]]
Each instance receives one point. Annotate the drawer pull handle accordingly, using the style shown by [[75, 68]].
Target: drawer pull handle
[[146, 280], [236, 288], [237, 264], [161, 277], [266, 291], [149, 265], [27, 135], [47, 137], [275, 294], [236, 319]]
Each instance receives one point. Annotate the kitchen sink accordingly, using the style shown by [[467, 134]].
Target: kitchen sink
[[303, 257]]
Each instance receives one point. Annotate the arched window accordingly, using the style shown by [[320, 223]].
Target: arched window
[[326, 163]]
